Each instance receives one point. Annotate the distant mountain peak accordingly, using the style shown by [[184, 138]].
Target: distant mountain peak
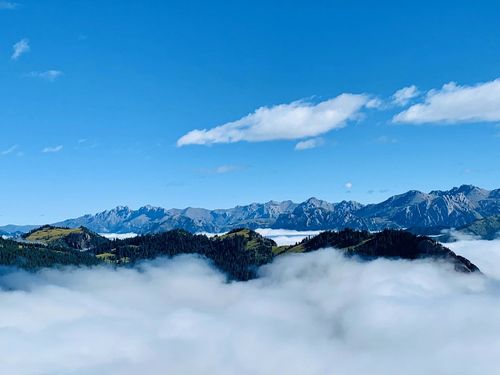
[[120, 209], [315, 201], [453, 208]]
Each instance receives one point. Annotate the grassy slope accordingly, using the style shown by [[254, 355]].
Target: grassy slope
[[69, 238], [48, 235], [487, 228]]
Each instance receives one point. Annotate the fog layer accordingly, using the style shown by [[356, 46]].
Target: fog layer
[[317, 313]]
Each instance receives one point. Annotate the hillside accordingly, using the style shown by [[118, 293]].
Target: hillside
[[486, 229], [386, 244], [71, 238], [238, 253], [33, 256]]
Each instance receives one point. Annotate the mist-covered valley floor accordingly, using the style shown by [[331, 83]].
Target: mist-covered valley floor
[[315, 313]]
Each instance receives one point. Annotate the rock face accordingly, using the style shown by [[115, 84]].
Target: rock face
[[315, 214], [150, 219], [453, 208]]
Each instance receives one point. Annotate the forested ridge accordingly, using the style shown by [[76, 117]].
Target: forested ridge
[[237, 253]]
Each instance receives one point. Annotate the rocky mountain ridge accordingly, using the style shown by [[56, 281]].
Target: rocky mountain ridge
[[453, 208]]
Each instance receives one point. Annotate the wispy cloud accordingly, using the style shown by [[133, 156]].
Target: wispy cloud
[[227, 169], [348, 186], [49, 75], [50, 149], [381, 191], [404, 95], [456, 104], [308, 144], [10, 150], [223, 169], [296, 120], [385, 139], [20, 48], [9, 5]]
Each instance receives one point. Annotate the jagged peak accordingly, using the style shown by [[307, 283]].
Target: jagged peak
[[314, 200], [464, 189], [350, 202], [119, 209], [149, 207]]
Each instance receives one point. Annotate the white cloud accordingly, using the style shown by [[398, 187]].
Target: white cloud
[[49, 149], [49, 75], [296, 120], [455, 104], [385, 139], [348, 185], [280, 236], [10, 150], [374, 103], [404, 95], [118, 236], [8, 5], [286, 236], [308, 144], [20, 48], [222, 169], [313, 314], [226, 169], [484, 253]]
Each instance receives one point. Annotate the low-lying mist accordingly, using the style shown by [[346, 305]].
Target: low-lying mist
[[317, 313]]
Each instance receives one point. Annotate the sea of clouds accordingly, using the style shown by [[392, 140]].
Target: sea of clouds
[[314, 314], [280, 236]]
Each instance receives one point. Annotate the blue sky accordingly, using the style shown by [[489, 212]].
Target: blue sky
[[99, 101]]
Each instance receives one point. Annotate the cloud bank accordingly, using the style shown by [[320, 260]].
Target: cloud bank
[[454, 104], [308, 314], [296, 120]]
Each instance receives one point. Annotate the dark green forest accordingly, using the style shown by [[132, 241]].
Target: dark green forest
[[238, 253]]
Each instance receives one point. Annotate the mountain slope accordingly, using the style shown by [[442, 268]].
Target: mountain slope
[[486, 229], [150, 219], [34, 256], [72, 238], [386, 244], [238, 253]]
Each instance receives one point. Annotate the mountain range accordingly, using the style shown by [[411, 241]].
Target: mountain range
[[453, 208]]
